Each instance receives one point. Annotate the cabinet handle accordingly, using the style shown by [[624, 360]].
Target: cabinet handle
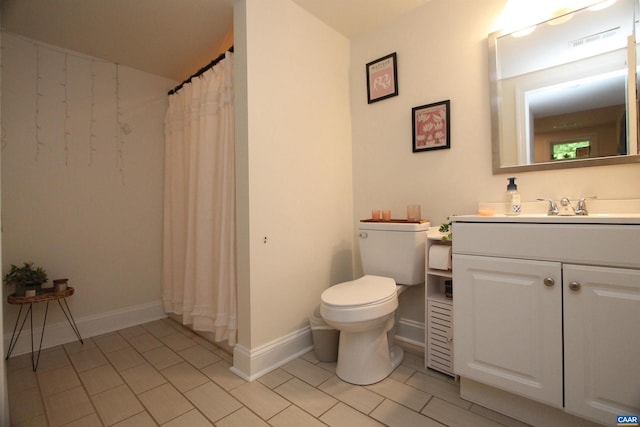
[[548, 281], [574, 286]]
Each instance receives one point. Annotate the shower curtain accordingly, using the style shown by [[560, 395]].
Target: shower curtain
[[199, 269]]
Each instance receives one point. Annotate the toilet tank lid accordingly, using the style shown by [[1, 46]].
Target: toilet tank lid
[[368, 289], [395, 225]]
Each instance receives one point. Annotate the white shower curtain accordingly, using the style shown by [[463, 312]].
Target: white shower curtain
[[199, 269]]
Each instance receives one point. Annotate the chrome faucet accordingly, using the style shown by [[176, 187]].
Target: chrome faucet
[[581, 209], [553, 208], [565, 208]]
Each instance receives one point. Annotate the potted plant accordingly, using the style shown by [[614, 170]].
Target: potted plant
[[26, 278]]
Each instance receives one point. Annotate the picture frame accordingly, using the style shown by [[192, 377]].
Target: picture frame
[[431, 126], [382, 78]]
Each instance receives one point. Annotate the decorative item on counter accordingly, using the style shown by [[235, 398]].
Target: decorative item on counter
[[512, 198], [375, 214], [386, 215], [445, 227], [60, 285], [448, 289], [485, 211], [27, 279], [413, 213]]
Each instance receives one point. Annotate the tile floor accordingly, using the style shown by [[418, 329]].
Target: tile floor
[[161, 373]]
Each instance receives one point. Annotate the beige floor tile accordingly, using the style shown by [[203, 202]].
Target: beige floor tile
[[454, 416], [17, 363], [99, 379], [37, 421], [184, 377], [199, 356], [495, 416], [221, 375], [111, 342], [177, 341], [143, 419], [274, 378], [401, 393], [71, 405], [391, 414], [294, 417], [306, 397], [307, 371], [192, 418], [125, 359], [89, 421], [52, 358], [160, 328], [132, 331], [72, 347], [355, 396], [142, 378], [165, 403], [213, 401], [87, 359], [25, 405], [329, 367], [402, 373], [446, 390], [144, 342], [242, 418], [116, 404], [260, 399], [342, 415], [57, 380], [162, 357], [21, 379]]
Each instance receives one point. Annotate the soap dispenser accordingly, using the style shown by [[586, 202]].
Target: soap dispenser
[[512, 198]]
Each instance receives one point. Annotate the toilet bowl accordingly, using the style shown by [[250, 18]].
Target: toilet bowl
[[363, 311]]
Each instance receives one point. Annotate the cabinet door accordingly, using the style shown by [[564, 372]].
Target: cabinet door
[[507, 319], [602, 342]]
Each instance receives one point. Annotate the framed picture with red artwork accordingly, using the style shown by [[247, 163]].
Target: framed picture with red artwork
[[382, 78], [431, 126]]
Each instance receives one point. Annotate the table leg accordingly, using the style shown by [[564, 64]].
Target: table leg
[[34, 362], [70, 319], [14, 337]]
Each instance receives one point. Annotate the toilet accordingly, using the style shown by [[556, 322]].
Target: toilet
[[392, 255]]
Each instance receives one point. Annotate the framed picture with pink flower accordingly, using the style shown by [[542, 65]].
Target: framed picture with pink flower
[[382, 80], [431, 126]]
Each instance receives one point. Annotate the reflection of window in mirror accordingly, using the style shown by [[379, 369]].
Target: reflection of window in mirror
[[570, 149]]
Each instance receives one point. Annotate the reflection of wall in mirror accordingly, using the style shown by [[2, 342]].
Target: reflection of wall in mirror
[[513, 90], [603, 131]]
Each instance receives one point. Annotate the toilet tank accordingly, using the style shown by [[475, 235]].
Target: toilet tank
[[394, 249]]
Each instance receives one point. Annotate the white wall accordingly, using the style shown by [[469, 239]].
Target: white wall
[[84, 207], [294, 161], [442, 54]]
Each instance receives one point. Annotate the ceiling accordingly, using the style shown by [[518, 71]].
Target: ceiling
[[169, 38]]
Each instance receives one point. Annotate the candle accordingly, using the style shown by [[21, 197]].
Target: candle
[[375, 214], [386, 215]]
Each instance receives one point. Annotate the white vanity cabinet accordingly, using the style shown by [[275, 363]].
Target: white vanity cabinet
[[550, 313]]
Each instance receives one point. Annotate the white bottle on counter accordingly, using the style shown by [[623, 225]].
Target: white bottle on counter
[[512, 198]]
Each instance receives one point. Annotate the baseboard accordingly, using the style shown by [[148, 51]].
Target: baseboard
[[251, 364], [89, 326], [410, 332]]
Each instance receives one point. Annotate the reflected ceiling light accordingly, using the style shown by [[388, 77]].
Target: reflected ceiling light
[[524, 31], [602, 5]]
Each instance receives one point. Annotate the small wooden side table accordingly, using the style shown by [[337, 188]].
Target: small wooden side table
[[46, 295]]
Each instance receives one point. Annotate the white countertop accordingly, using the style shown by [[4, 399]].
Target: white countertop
[[552, 219], [600, 212]]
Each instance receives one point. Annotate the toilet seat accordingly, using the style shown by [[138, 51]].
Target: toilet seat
[[360, 300], [367, 290]]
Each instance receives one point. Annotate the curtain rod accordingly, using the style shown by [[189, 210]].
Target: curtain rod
[[200, 71]]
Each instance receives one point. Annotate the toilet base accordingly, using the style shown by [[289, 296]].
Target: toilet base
[[365, 357]]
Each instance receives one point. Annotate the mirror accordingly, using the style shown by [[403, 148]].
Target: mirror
[[562, 94]]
